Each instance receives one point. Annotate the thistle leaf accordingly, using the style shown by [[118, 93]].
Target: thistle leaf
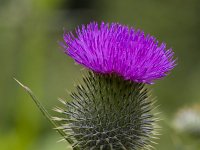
[[44, 111]]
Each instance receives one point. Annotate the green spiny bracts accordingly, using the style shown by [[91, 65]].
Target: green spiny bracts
[[109, 113]]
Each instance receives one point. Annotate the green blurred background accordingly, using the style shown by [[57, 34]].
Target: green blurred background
[[29, 35]]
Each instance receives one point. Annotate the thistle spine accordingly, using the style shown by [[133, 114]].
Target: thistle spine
[[109, 113]]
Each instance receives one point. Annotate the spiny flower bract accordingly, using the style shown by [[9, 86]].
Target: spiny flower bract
[[109, 113], [115, 48]]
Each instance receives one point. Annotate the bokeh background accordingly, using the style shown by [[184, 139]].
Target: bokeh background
[[29, 35]]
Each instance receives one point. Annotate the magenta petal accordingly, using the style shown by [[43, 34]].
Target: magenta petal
[[115, 48]]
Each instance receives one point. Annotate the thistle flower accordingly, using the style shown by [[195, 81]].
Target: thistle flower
[[111, 109], [115, 48]]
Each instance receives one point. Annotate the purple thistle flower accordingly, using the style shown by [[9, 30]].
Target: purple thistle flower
[[118, 49]]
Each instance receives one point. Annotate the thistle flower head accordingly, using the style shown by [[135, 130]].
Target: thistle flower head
[[116, 48], [111, 109]]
